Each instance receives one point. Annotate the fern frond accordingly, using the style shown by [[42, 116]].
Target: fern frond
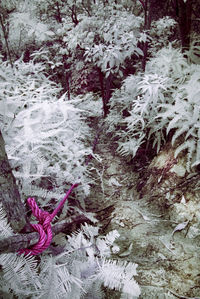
[[20, 273], [179, 132], [5, 228], [130, 146], [190, 145], [118, 275]]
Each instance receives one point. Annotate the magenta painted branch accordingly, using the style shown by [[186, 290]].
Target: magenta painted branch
[[143, 3], [44, 225], [61, 204]]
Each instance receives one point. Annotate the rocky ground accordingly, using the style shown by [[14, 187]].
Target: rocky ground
[[145, 216]]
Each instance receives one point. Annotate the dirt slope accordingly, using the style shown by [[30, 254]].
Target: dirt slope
[[168, 263]]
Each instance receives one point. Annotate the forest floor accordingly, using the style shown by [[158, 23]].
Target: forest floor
[[168, 263]]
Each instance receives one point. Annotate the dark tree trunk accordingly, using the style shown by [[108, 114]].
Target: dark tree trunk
[[58, 14], [146, 4], [74, 15], [184, 12], [9, 194], [65, 76], [5, 35], [106, 86]]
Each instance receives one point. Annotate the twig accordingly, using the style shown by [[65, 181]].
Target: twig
[[101, 178], [105, 209], [143, 4], [96, 140]]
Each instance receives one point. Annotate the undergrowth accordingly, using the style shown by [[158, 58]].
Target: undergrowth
[[79, 271], [47, 138], [159, 103]]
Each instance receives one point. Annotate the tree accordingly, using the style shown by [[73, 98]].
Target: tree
[[5, 30], [16, 212], [68, 269], [146, 4], [184, 14], [9, 194]]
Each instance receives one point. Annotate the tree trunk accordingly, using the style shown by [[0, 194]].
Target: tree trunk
[[58, 14], [5, 34], [184, 10], [105, 91], [146, 4], [9, 194]]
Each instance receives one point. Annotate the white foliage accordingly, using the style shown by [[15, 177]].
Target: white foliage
[[5, 229], [25, 28], [160, 32], [119, 43], [119, 276], [45, 136], [20, 274], [78, 272], [118, 32], [169, 62], [164, 99], [140, 97]]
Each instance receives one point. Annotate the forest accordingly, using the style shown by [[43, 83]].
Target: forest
[[100, 149]]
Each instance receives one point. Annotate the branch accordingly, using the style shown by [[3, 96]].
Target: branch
[[180, 296], [143, 4], [86, 9], [17, 242]]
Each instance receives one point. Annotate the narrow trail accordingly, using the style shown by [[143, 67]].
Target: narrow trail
[[168, 264]]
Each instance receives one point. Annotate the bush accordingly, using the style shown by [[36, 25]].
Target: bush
[[160, 102]]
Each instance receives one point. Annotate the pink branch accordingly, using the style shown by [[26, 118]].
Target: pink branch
[[61, 204], [143, 3]]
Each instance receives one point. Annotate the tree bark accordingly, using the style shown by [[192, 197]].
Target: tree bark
[[9, 194], [147, 24], [58, 14], [20, 241], [3, 27], [106, 86], [184, 10]]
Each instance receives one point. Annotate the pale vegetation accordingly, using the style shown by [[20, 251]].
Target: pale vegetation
[[47, 134]]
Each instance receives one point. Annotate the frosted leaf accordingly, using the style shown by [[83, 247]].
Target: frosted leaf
[[183, 201], [180, 227]]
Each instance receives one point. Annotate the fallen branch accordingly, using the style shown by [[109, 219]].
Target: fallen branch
[[95, 142], [16, 242], [180, 296]]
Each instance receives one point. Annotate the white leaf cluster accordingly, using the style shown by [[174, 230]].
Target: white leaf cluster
[[163, 100], [5, 228], [107, 38], [78, 272], [45, 136], [119, 41], [160, 33]]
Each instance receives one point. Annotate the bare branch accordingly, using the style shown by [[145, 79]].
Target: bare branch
[[17, 242], [143, 4]]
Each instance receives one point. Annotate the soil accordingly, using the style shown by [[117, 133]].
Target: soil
[[168, 261]]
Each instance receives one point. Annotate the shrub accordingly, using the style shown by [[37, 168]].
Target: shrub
[[162, 101]]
